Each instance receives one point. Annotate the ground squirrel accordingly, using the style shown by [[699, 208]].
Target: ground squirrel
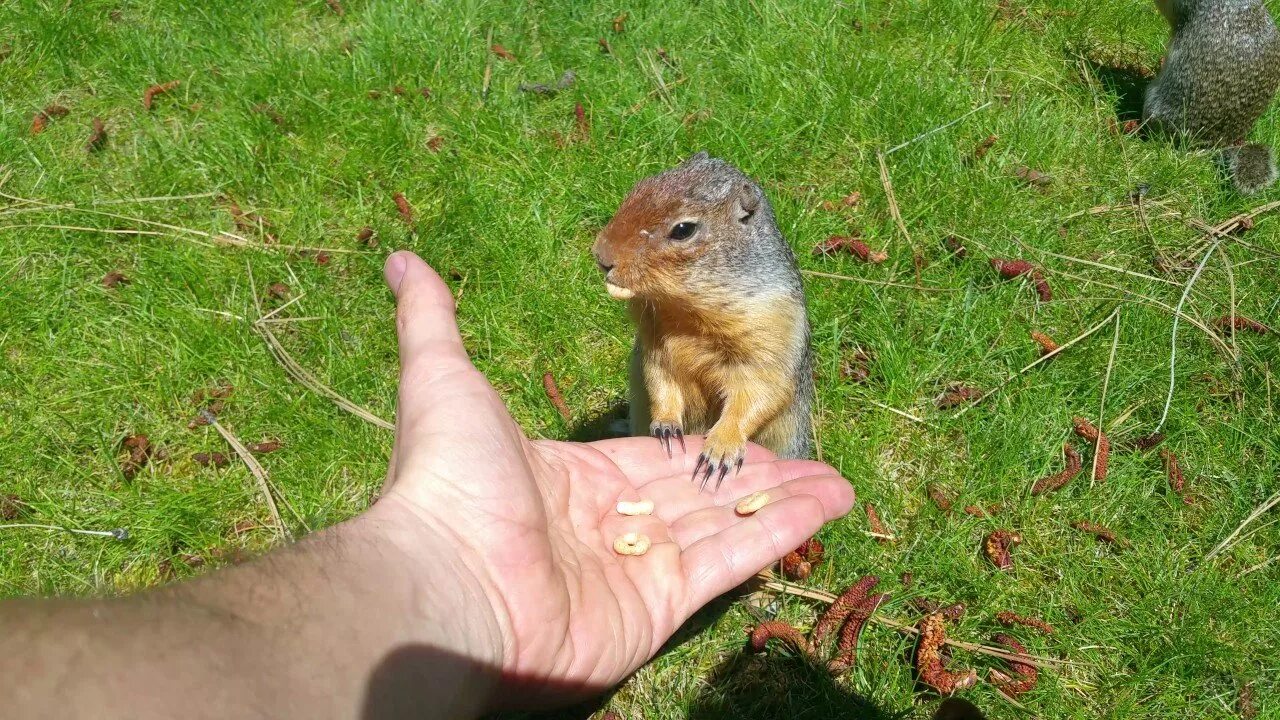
[[722, 334], [1220, 73]]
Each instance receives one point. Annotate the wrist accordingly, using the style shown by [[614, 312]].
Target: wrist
[[439, 609]]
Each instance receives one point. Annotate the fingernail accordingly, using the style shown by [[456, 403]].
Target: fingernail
[[393, 271]]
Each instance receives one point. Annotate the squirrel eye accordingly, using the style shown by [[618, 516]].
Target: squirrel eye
[[683, 231]]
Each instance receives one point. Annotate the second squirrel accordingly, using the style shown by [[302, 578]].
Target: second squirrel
[[722, 334], [1220, 74]]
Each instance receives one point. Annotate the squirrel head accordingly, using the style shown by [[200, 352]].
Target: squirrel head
[[674, 229]]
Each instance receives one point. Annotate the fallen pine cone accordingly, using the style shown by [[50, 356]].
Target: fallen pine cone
[[581, 124], [149, 95], [847, 644], [1053, 482], [1032, 177], [956, 396], [984, 147], [264, 447], [114, 278], [997, 545], [1009, 619], [336, 7], [216, 459], [795, 567], [839, 610], [604, 46], [929, 665], [877, 527], [97, 138], [366, 237], [1086, 430], [979, 511], [11, 506], [42, 119], [1177, 482], [139, 447], [1100, 532], [1046, 343], [557, 400], [1145, 443], [502, 52], [403, 207], [619, 23], [1010, 269], [812, 550], [1240, 322], [1027, 674], [955, 246], [856, 367], [940, 497], [776, 630], [852, 245], [1245, 702]]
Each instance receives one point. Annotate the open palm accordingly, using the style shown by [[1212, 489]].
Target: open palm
[[535, 521]]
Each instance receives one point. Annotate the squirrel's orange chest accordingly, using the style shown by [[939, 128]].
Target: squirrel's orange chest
[[703, 358]]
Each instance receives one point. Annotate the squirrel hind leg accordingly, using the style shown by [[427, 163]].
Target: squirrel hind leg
[[1251, 168]]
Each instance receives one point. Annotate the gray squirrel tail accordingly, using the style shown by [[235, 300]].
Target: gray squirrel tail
[[1250, 167]]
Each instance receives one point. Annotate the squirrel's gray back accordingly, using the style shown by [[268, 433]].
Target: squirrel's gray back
[[1220, 72]]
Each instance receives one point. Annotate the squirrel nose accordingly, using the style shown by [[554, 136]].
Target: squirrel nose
[[604, 258]]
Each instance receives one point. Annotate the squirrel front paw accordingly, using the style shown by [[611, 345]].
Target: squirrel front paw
[[717, 458], [664, 431]]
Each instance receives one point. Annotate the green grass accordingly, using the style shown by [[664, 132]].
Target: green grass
[[799, 98]]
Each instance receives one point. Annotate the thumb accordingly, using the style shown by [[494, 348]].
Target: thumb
[[426, 320]]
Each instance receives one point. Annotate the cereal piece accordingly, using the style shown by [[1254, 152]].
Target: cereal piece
[[638, 507], [1049, 483], [929, 665], [997, 546], [631, 544], [751, 503]]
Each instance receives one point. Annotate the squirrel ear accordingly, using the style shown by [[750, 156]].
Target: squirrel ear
[[700, 157], [745, 202]]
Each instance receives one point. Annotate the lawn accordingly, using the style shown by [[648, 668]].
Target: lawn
[[312, 120]]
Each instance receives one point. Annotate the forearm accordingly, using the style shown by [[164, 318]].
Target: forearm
[[349, 623]]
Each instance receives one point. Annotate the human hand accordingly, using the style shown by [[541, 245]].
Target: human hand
[[533, 522]]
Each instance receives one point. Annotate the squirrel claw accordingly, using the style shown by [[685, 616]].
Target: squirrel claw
[[718, 468], [664, 431]]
